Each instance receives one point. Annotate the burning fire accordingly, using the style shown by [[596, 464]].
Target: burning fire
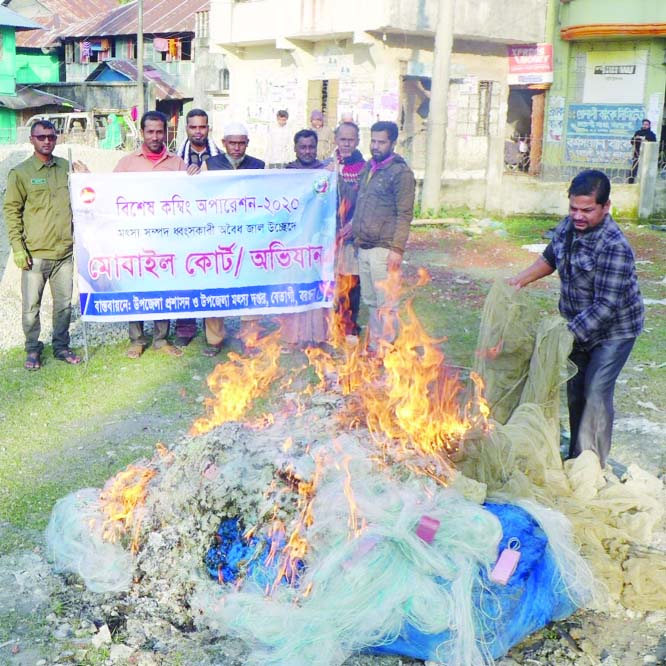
[[291, 550], [238, 382], [409, 399], [411, 402], [121, 500]]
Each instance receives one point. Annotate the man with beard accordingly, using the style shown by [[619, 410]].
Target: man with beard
[[195, 151], [380, 226], [235, 144], [151, 156], [348, 161], [601, 301], [198, 147]]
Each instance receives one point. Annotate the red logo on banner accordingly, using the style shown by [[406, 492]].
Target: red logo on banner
[[87, 195]]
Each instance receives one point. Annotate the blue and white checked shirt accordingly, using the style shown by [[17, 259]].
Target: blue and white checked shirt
[[599, 295]]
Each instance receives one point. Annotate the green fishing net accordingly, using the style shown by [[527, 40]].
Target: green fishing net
[[523, 359]]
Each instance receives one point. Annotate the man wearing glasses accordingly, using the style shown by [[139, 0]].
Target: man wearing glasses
[[39, 225]]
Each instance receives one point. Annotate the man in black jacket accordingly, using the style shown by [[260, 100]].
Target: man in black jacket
[[643, 134], [235, 144]]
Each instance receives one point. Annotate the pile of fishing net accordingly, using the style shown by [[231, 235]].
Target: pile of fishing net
[[327, 546], [613, 520]]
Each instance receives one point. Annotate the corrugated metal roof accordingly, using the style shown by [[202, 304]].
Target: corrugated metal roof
[[163, 84], [10, 18], [28, 97], [58, 16], [159, 17]]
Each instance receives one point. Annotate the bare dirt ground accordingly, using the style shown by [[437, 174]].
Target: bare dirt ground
[[55, 622]]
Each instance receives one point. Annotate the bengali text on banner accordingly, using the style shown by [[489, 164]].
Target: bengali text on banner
[[162, 245]]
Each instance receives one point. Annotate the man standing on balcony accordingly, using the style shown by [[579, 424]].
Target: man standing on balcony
[[380, 227]]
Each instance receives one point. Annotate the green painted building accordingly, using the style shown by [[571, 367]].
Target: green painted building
[[37, 67], [609, 74], [10, 22]]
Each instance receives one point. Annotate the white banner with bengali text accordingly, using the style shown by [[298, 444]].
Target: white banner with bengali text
[[221, 243]]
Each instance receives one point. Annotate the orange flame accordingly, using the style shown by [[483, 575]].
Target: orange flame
[[409, 399], [412, 403], [354, 528], [121, 499], [237, 383], [296, 547], [341, 323]]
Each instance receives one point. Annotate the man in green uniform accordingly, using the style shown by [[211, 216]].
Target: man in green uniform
[[38, 216]]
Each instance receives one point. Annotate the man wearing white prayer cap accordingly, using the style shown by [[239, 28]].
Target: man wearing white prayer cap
[[235, 142]]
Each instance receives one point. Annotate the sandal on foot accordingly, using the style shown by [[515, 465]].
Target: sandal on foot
[[169, 350], [68, 356], [33, 361], [135, 351], [211, 350]]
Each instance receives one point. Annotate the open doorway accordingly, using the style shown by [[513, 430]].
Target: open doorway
[[524, 130]]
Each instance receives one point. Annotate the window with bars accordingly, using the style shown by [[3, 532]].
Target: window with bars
[[484, 106], [476, 104]]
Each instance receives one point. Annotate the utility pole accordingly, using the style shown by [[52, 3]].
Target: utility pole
[[139, 60], [439, 100]]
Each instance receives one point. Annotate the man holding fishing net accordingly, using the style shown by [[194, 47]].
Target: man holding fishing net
[[601, 300]]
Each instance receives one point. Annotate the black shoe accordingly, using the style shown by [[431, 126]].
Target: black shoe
[[182, 341]]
